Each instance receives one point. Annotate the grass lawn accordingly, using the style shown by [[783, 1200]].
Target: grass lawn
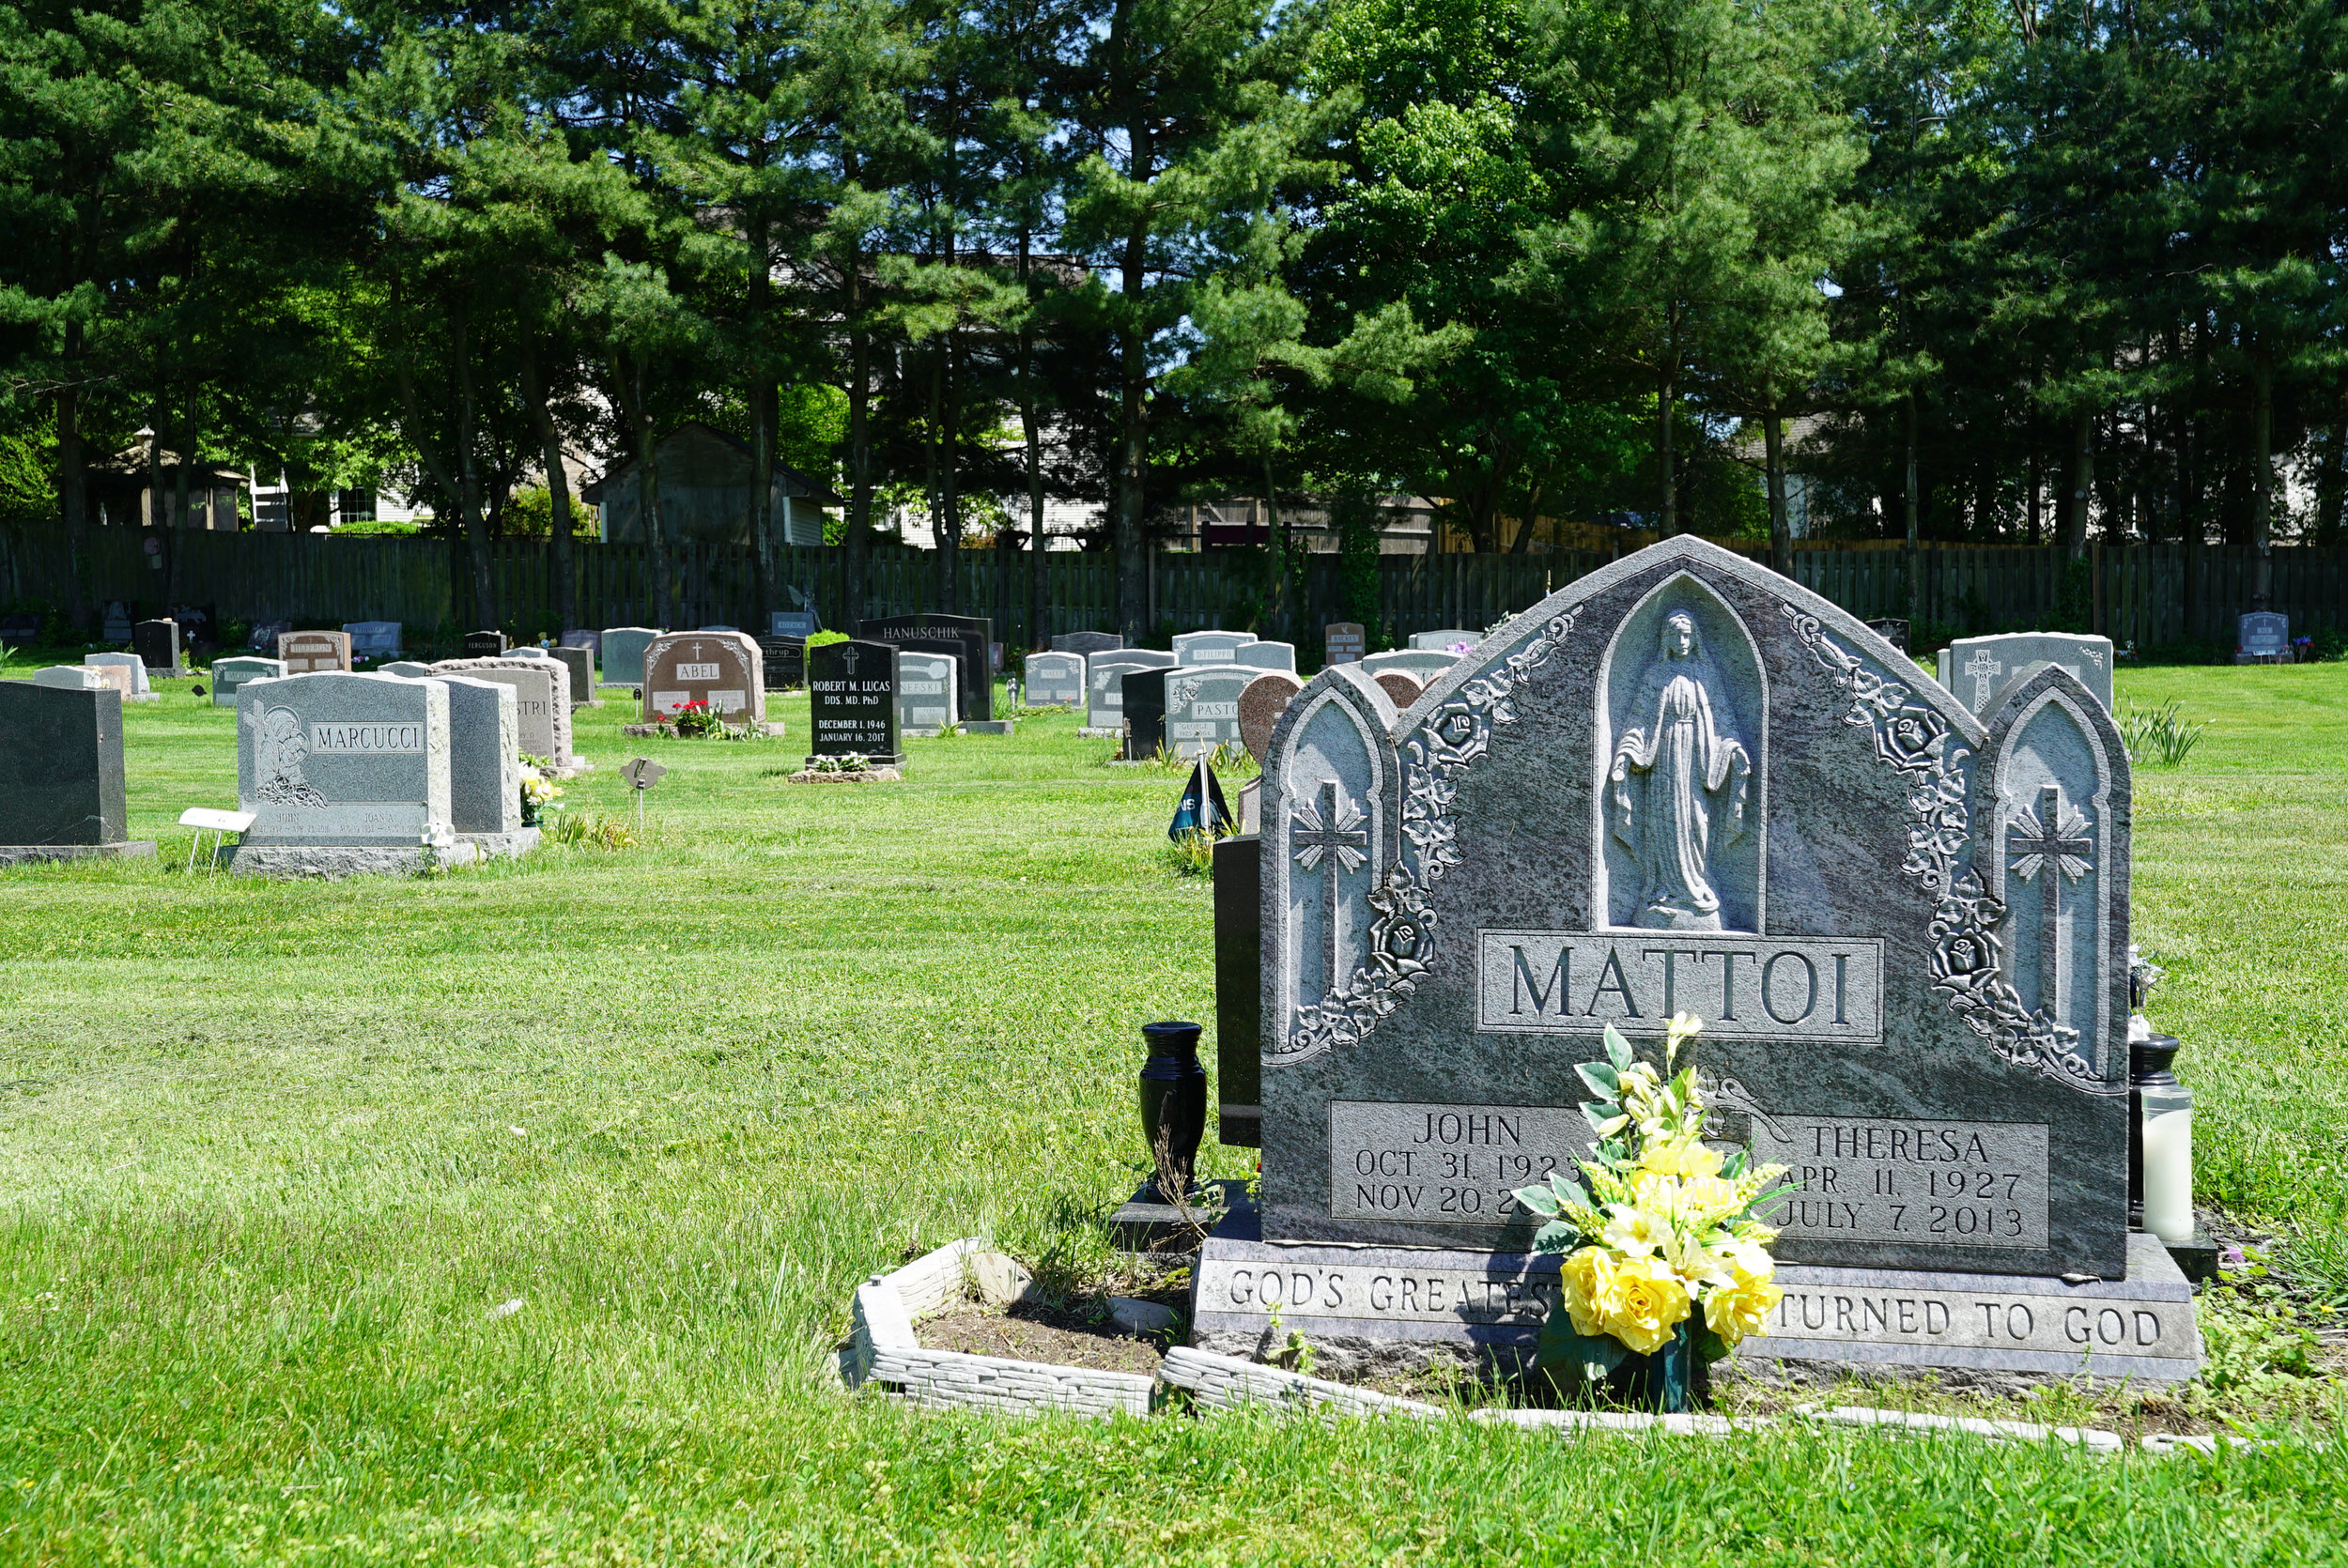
[[272, 1153]]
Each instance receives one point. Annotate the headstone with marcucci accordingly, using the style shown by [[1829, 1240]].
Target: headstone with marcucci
[[927, 693], [1451, 640], [624, 654], [486, 645], [1260, 705], [1142, 701], [133, 666], [62, 788], [1086, 644], [852, 701], [1203, 708], [344, 774], [314, 653], [1203, 648], [228, 674], [722, 669], [542, 703], [373, 640], [157, 644], [1683, 783], [1264, 655], [2262, 636], [784, 660], [1344, 642], [1055, 680], [1982, 669], [1104, 691], [964, 636]]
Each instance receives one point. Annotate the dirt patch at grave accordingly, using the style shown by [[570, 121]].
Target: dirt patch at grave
[[1028, 1332]]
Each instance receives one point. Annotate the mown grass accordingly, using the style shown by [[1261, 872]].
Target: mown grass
[[273, 1155]]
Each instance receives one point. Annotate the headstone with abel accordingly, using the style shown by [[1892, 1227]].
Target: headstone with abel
[[230, 673], [346, 774], [1086, 644], [1055, 680], [1204, 648], [1344, 642], [134, 671], [852, 703], [62, 789], [1686, 784], [623, 655], [722, 671], [1982, 669], [2262, 636], [542, 703], [782, 661], [964, 636], [373, 640], [157, 644], [1203, 708], [485, 769], [1104, 686], [927, 693], [1141, 695], [314, 653], [1451, 640], [580, 662], [1422, 665], [486, 645]]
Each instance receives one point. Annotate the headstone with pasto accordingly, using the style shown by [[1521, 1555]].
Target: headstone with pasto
[[1203, 708]]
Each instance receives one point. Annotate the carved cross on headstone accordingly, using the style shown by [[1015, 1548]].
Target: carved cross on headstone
[[848, 656], [2052, 839], [1333, 838], [1983, 670]]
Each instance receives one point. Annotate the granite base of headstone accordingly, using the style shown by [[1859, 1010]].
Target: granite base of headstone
[[63, 793]]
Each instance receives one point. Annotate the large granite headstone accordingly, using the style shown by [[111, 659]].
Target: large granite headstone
[[134, 671], [1105, 690], [623, 654], [485, 769], [724, 669], [542, 703], [967, 637], [1684, 783], [1451, 640], [2262, 636], [157, 644], [928, 693], [1982, 669], [1203, 708], [1055, 680], [1141, 695], [230, 673], [1263, 654], [62, 789], [344, 774], [783, 661], [1344, 642], [1202, 647], [852, 701], [314, 653], [1086, 644]]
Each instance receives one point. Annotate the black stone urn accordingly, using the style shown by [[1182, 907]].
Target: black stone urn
[[1173, 1103]]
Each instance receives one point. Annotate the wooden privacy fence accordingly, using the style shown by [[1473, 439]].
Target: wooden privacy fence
[[2153, 595]]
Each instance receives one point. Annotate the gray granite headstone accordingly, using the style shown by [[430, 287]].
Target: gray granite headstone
[[62, 788], [1422, 664], [230, 673], [1055, 679], [581, 664], [344, 774], [2262, 636], [1451, 640], [927, 690], [411, 668], [1203, 708], [73, 676], [1263, 654], [542, 701], [1104, 692], [1086, 644], [623, 653], [1982, 669], [140, 685], [1199, 648], [484, 771]]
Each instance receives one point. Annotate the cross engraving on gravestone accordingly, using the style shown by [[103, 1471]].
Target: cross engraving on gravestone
[[1983, 671], [2049, 845], [1330, 840]]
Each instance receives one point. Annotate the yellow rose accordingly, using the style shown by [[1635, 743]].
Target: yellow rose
[[1742, 1308], [1648, 1302], [1587, 1276]]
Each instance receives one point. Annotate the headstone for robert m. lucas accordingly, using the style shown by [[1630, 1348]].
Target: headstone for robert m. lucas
[[1982, 669], [624, 654], [1055, 680], [1451, 640], [157, 644], [1086, 644], [228, 674], [1105, 685], [373, 639], [344, 774], [2262, 636], [926, 693], [542, 703], [852, 701], [964, 636], [486, 645], [1260, 705], [1203, 708], [485, 770], [722, 669], [1200, 648], [783, 661], [314, 653], [1344, 642], [134, 670], [62, 794], [1144, 706], [1686, 784]]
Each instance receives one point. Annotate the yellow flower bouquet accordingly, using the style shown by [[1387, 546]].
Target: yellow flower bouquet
[[1664, 1255]]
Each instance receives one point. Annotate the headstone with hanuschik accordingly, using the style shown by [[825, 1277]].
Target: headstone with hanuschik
[[1104, 686], [967, 637], [722, 671], [623, 655], [157, 644], [345, 775], [63, 794], [1203, 708], [542, 703], [2262, 636], [927, 693], [1683, 783], [1211, 647], [783, 661], [1982, 669], [1086, 644], [1055, 680], [852, 703], [1344, 642], [314, 653]]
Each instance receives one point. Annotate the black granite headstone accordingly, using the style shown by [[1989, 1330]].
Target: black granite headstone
[[61, 780], [786, 661], [1238, 971], [19, 630], [157, 644], [485, 645], [852, 701], [964, 636], [1144, 713]]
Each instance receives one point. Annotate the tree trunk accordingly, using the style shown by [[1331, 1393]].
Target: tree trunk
[[558, 486], [1133, 426], [2037, 482], [764, 414], [2333, 485], [1913, 504], [183, 490], [648, 502], [72, 478], [2263, 479], [2082, 478], [468, 497], [950, 489], [1670, 523], [855, 548], [1780, 521], [1032, 435]]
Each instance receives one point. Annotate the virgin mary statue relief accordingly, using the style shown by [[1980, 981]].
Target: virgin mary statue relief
[[1677, 781]]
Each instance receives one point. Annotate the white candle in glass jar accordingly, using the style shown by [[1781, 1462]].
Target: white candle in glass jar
[[2169, 1171]]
